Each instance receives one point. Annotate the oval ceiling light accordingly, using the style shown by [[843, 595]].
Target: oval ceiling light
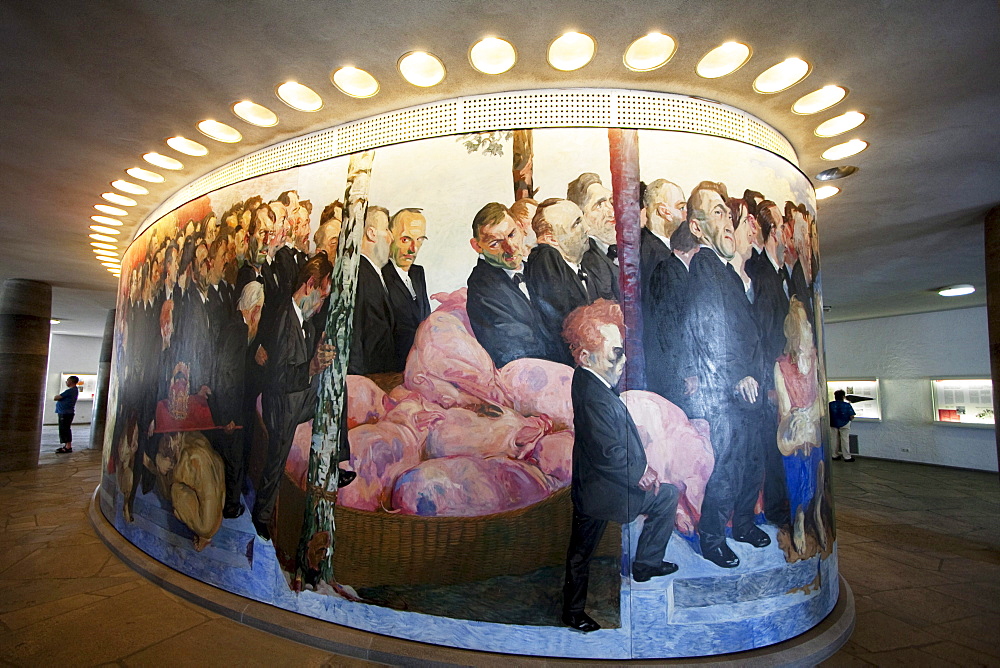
[[160, 160], [121, 200], [782, 76], [818, 100], [219, 131], [354, 82], [103, 237], [111, 210], [723, 60], [187, 146], [104, 252], [421, 68], [127, 187], [838, 125], [101, 229], [99, 244], [847, 149], [255, 114], [144, 175], [107, 221], [299, 97], [571, 51], [835, 173], [826, 191], [650, 52], [957, 290], [492, 55]]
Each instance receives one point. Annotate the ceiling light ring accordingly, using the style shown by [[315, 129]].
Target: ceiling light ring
[[514, 55], [662, 63], [571, 65], [845, 89], [803, 77], [352, 77], [300, 88], [733, 70]]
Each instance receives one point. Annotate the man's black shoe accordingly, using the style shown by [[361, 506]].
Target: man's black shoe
[[262, 530], [755, 537], [642, 573], [722, 556], [346, 478], [580, 621], [232, 512]]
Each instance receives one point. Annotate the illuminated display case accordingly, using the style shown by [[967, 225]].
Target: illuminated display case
[[967, 401], [863, 395]]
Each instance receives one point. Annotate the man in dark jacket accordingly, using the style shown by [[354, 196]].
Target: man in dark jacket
[[405, 280], [611, 478], [373, 349]]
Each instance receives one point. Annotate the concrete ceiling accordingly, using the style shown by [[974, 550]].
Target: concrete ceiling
[[89, 87]]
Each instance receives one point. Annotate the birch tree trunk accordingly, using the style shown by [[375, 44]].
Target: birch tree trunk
[[315, 554], [624, 146], [522, 168]]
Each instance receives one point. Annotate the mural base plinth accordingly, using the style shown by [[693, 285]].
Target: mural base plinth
[[807, 649]]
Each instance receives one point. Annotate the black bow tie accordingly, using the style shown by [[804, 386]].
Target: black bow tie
[[518, 279], [582, 275], [613, 252]]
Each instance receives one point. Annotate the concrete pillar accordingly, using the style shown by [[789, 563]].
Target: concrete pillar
[[25, 309], [991, 228], [100, 416]]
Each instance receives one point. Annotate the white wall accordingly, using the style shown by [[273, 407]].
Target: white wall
[[70, 354], [904, 352]]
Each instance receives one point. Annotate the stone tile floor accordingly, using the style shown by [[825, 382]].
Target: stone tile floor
[[919, 545]]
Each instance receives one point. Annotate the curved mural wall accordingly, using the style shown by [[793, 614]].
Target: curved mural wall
[[489, 391]]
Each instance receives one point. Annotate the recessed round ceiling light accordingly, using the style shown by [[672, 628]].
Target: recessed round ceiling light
[[105, 253], [818, 100], [219, 131], [128, 187], [957, 290], [115, 198], [107, 221], [782, 76], [847, 149], [111, 210], [117, 273], [98, 244], [103, 237], [110, 263], [163, 161], [54, 321], [299, 97], [421, 68], [838, 125], [723, 60], [144, 175], [187, 146], [835, 173], [251, 112], [826, 191], [105, 230], [571, 51], [354, 82], [650, 52], [492, 55]]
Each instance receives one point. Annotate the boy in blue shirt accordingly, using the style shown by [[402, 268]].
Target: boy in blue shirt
[[841, 414], [66, 410]]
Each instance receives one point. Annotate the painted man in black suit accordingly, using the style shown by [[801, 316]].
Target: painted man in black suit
[[405, 280], [771, 306], [601, 259], [296, 354], [373, 349], [500, 311], [726, 355], [664, 290], [557, 283], [611, 478]]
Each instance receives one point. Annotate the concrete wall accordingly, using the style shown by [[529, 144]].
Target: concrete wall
[[70, 354], [904, 352]]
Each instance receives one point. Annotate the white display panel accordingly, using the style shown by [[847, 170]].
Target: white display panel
[[87, 384], [862, 394], [963, 400]]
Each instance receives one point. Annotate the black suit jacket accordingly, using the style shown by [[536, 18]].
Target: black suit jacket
[[555, 291], [666, 340], [652, 251], [771, 308], [373, 349], [288, 395], [608, 459], [407, 311], [799, 288], [723, 332], [602, 271], [502, 318]]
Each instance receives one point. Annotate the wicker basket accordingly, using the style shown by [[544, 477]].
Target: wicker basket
[[380, 548]]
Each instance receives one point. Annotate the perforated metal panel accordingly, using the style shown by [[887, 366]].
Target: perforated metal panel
[[497, 111]]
